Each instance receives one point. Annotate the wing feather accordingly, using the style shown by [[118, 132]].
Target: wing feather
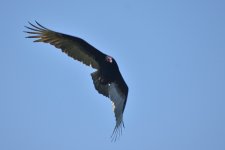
[[117, 92], [118, 99], [74, 47]]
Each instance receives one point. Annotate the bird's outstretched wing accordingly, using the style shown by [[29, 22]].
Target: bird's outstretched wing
[[118, 98], [117, 92], [75, 47]]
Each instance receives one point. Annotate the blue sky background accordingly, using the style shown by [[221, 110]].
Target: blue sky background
[[171, 54]]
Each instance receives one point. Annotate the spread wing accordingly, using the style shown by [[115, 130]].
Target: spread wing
[[75, 47], [117, 91], [118, 98]]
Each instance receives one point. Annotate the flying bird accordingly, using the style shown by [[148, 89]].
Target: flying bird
[[107, 78]]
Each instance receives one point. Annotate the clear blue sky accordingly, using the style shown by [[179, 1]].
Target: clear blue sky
[[171, 54]]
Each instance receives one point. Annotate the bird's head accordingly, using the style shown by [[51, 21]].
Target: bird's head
[[109, 59], [110, 62]]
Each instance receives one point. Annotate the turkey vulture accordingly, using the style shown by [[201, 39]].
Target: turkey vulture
[[107, 78]]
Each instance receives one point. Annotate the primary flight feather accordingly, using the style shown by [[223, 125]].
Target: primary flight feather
[[107, 78]]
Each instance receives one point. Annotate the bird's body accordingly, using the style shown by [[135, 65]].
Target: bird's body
[[107, 78]]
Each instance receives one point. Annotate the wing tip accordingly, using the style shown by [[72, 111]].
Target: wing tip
[[35, 31], [36, 28], [118, 129]]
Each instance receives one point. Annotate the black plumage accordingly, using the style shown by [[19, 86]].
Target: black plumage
[[107, 78]]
